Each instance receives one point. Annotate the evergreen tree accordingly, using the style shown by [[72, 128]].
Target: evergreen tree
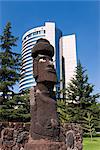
[[79, 97], [62, 111], [16, 109], [88, 125], [9, 61]]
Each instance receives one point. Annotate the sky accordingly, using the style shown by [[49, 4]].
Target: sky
[[79, 17]]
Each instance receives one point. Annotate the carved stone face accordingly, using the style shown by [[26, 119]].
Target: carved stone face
[[43, 69]]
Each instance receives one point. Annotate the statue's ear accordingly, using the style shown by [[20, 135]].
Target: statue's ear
[[35, 69]]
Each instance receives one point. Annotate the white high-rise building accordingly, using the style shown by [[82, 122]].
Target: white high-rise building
[[65, 58], [69, 57]]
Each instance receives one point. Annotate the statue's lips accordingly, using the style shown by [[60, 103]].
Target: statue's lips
[[51, 70]]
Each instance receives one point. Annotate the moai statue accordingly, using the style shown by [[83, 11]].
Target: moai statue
[[44, 118], [45, 126]]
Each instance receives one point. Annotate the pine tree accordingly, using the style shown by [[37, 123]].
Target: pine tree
[[9, 64], [88, 125], [17, 108], [62, 111], [79, 95]]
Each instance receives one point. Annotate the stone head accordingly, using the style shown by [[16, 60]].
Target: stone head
[[43, 68]]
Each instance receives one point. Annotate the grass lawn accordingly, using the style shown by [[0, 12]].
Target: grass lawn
[[91, 145]]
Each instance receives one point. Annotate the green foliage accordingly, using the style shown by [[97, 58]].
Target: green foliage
[[79, 96], [16, 108], [62, 111], [88, 125], [95, 134], [80, 99], [79, 90], [10, 61]]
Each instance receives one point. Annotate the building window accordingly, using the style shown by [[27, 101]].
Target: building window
[[34, 33], [26, 80], [29, 35], [27, 83], [25, 38]]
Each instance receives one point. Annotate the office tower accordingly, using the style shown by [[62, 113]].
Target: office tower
[[68, 58], [65, 58]]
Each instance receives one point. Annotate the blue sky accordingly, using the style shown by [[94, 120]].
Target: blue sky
[[79, 17]]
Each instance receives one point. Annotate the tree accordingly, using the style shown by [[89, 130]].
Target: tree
[[62, 111], [79, 97], [88, 124], [10, 61], [16, 108]]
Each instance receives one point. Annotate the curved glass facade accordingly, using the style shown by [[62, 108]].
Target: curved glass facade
[[28, 41]]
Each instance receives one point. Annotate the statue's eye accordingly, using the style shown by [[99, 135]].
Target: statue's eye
[[42, 60]]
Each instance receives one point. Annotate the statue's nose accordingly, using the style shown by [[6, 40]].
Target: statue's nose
[[50, 65]]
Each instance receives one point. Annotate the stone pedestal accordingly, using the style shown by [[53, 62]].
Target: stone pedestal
[[45, 145]]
